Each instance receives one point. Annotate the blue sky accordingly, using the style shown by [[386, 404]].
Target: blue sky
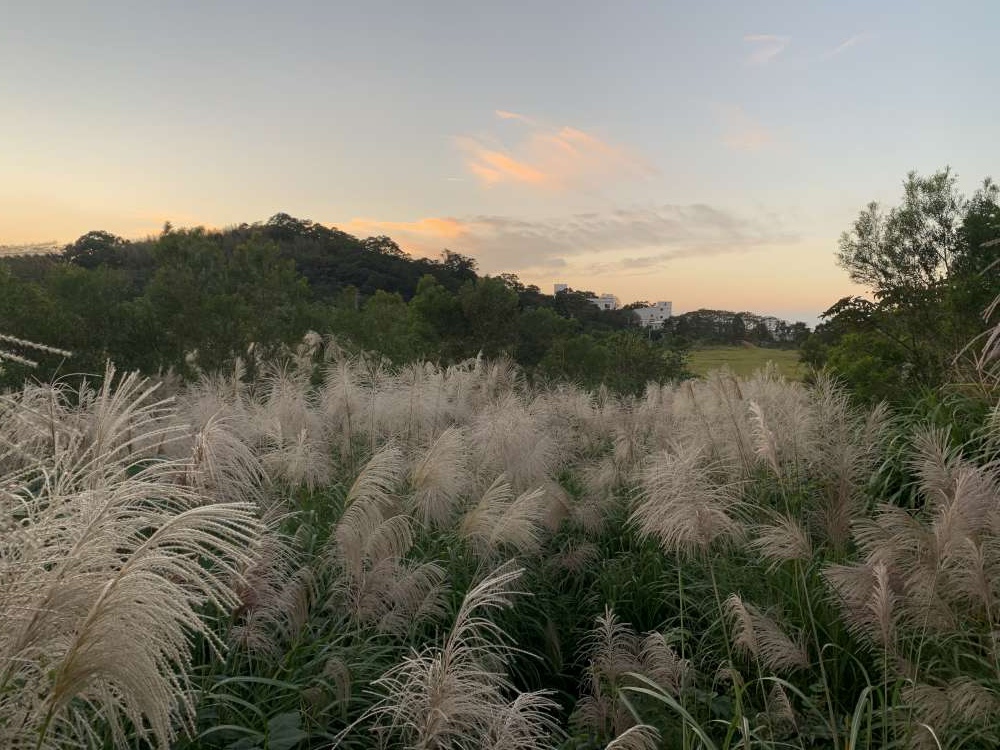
[[707, 153]]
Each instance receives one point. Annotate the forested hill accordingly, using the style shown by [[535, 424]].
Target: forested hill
[[191, 299]]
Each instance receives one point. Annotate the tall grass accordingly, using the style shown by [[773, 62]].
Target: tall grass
[[329, 551]]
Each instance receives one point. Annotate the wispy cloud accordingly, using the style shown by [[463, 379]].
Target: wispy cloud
[[505, 115], [624, 239], [558, 158], [741, 132], [765, 47], [847, 44]]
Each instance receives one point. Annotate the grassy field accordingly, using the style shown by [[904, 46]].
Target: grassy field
[[744, 360]]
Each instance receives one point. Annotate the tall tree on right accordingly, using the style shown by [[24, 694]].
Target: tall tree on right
[[930, 264]]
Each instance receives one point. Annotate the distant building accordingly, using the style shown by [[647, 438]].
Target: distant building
[[560, 288], [606, 301], [654, 315]]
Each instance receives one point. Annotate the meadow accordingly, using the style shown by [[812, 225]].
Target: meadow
[[745, 360], [333, 552]]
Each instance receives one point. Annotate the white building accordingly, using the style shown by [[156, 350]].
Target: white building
[[560, 288], [654, 315], [606, 301]]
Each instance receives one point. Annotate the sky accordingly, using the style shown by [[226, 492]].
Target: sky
[[706, 153]]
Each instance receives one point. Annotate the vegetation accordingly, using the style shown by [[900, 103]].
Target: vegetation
[[301, 544], [745, 360], [931, 263]]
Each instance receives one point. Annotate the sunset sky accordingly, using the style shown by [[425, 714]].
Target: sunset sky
[[708, 153]]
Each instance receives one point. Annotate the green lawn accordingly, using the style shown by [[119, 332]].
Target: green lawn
[[744, 360]]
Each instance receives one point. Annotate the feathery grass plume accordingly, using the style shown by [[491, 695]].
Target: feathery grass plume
[[612, 648], [508, 437], [526, 723], [574, 557], [121, 419], [779, 713], [34, 422], [947, 706], [369, 543], [570, 416], [379, 381], [765, 443], [868, 597], [612, 651], [369, 502], [299, 460], [655, 412], [602, 477], [391, 595], [457, 695], [732, 421], [558, 505], [414, 408], [639, 737], [972, 572], [222, 465], [276, 596], [782, 421], [501, 520], [963, 496], [847, 448], [105, 576], [495, 379], [935, 463], [761, 637], [630, 448], [682, 507], [929, 703], [439, 477], [342, 399], [290, 428], [900, 539], [782, 541], [11, 356], [971, 701], [662, 664]]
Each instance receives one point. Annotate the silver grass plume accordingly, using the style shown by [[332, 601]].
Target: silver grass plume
[[439, 477], [683, 508], [457, 695], [106, 574], [783, 540], [612, 650], [370, 501], [638, 737], [761, 637], [378, 587], [501, 520]]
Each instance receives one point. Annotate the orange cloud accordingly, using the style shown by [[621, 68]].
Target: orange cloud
[[556, 158], [495, 166], [425, 236]]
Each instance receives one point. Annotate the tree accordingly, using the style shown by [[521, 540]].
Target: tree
[[461, 265], [926, 261], [383, 245], [96, 249], [913, 245], [537, 331], [490, 310], [438, 321]]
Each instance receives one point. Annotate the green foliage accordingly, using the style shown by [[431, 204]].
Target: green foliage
[[930, 263], [490, 310]]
